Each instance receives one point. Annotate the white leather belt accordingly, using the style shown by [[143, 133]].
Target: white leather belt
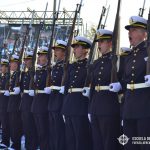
[[101, 88], [2, 91], [26, 91], [71, 90], [136, 86], [12, 93], [55, 88], [39, 91]]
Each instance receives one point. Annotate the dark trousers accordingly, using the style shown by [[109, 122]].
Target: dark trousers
[[30, 131], [57, 131], [78, 133], [42, 126], [4, 118], [105, 131], [136, 128], [15, 129]]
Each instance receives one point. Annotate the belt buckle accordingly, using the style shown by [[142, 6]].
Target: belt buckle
[[36, 91], [70, 90], [98, 88], [132, 87]]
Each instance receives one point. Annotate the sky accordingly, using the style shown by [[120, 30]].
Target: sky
[[90, 11]]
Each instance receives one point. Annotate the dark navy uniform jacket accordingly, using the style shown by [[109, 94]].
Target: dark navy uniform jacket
[[55, 98], [75, 103], [14, 100], [137, 101], [40, 101], [26, 100], [3, 99], [104, 102]]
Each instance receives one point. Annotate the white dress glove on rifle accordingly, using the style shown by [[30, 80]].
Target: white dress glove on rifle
[[47, 90], [147, 80], [16, 90], [62, 90], [31, 93], [115, 87], [6, 93], [86, 92]]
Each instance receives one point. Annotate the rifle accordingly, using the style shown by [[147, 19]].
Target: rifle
[[32, 69], [115, 43], [18, 74], [68, 48], [14, 47], [89, 62], [141, 10], [148, 45], [48, 78]]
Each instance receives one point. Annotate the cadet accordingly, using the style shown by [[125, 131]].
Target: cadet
[[39, 106], [75, 106], [136, 109], [104, 106], [13, 105], [25, 107], [4, 118], [56, 122]]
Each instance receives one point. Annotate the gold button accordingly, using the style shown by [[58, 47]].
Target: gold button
[[102, 62], [75, 76], [99, 73], [99, 79], [132, 81], [134, 54], [78, 67], [73, 81], [71, 86], [77, 71], [132, 74], [134, 61], [133, 67], [102, 68]]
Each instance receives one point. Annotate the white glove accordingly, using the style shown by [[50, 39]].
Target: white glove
[[16, 90], [147, 80], [115, 87], [47, 90], [62, 90], [89, 117], [6, 93], [31, 92], [86, 92]]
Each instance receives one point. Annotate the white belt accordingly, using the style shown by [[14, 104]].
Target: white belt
[[55, 88], [2, 91], [12, 93], [136, 86], [39, 91], [101, 88], [75, 90], [26, 91]]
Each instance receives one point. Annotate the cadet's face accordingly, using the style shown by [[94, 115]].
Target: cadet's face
[[13, 66], [42, 58], [59, 53], [79, 52], [28, 62], [136, 35], [104, 46], [4, 68]]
